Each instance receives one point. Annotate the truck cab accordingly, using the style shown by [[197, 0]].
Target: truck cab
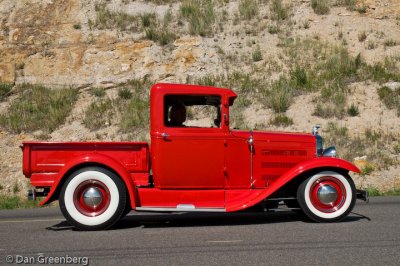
[[195, 163]]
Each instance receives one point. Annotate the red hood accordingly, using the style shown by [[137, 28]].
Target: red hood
[[275, 136]]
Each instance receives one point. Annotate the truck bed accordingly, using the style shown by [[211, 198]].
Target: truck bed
[[44, 162]]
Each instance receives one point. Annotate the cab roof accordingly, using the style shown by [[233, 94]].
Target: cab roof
[[166, 88]]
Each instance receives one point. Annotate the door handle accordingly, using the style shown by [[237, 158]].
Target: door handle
[[164, 136]]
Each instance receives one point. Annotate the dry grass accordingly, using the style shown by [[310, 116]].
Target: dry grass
[[200, 15], [279, 11], [390, 97], [107, 19], [281, 120], [99, 114], [320, 7], [130, 111], [38, 108], [248, 9], [15, 202], [376, 145], [156, 30]]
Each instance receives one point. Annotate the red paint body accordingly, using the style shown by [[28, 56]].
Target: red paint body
[[206, 168]]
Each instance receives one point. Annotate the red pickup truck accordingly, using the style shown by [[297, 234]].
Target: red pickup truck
[[195, 163]]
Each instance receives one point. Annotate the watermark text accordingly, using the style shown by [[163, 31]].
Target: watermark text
[[46, 259]]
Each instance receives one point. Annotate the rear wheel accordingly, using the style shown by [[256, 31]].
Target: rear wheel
[[327, 196], [93, 198]]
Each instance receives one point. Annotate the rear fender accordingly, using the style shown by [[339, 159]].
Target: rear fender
[[90, 160], [303, 167]]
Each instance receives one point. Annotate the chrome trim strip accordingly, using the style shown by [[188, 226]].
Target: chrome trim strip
[[161, 209], [185, 206], [50, 164], [251, 146]]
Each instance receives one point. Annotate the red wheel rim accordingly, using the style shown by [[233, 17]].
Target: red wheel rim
[[328, 183], [97, 203]]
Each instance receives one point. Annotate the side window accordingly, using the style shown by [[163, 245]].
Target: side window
[[192, 111]]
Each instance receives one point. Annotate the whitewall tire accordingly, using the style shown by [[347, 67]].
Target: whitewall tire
[[93, 198], [327, 196]]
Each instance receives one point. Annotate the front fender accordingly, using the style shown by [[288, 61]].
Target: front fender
[[313, 164], [98, 159]]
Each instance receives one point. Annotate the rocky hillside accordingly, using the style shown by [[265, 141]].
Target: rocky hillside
[[81, 70]]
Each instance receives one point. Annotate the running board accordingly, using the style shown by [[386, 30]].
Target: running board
[[180, 209], [280, 199]]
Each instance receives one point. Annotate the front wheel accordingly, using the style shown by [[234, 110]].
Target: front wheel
[[93, 198], [327, 196]]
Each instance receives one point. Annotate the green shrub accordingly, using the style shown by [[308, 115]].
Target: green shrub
[[38, 108], [396, 148], [162, 35], [200, 15], [4, 89], [281, 120], [135, 113], [98, 92], [157, 31], [390, 43], [207, 81], [16, 188], [339, 66], [99, 114], [362, 9], [371, 45], [273, 29], [148, 19], [328, 110], [381, 72], [162, 2], [352, 110], [320, 7], [350, 4], [372, 135], [391, 98], [306, 24], [279, 97], [124, 93], [15, 202], [248, 9], [362, 36], [107, 19], [373, 191], [299, 75], [279, 11], [367, 169], [256, 55], [20, 66]]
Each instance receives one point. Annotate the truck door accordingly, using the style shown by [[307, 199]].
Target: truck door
[[188, 151]]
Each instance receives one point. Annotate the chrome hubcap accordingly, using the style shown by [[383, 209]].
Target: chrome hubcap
[[92, 197], [327, 194]]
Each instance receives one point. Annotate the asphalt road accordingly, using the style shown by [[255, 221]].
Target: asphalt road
[[369, 236]]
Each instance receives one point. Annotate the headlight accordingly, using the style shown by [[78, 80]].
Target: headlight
[[329, 152]]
